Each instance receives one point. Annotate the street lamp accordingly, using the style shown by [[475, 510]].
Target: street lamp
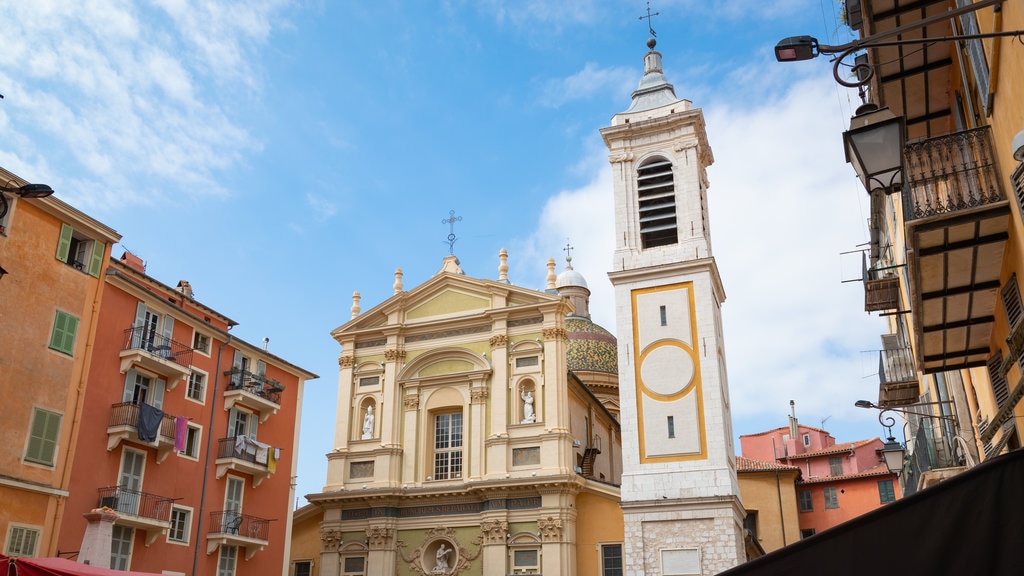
[[874, 145], [28, 190], [893, 453]]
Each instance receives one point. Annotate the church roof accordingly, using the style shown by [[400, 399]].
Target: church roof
[[654, 90], [590, 348]]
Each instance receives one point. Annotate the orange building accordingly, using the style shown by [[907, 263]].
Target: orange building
[[838, 481], [768, 490], [192, 435], [52, 258]]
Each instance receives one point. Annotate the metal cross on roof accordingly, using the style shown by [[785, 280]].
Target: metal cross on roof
[[648, 17], [450, 221], [568, 253]]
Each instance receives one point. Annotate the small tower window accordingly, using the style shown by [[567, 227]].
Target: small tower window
[[656, 195], [671, 427], [664, 316]]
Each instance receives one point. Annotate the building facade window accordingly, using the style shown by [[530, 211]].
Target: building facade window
[[671, 426], [831, 497], [525, 561], [79, 251], [806, 502], [201, 343], [657, 203], [62, 338], [302, 568], [353, 566], [835, 466], [750, 523], [181, 521], [227, 561], [196, 386], [193, 434], [121, 547], [22, 541], [42, 437], [806, 533], [448, 446], [611, 560], [886, 492]]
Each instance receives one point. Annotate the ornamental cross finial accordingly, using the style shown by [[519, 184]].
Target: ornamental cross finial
[[568, 254], [648, 17], [450, 221]]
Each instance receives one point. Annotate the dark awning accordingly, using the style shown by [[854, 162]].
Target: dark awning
[[969, 524], [57, 567]]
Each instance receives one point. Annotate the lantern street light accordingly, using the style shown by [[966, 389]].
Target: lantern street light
[[874, 145]]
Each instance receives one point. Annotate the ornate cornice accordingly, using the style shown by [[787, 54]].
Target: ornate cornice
[[550, 529], [330, 540], [495, 531], [555, 333], [379, 537], [346, 361]]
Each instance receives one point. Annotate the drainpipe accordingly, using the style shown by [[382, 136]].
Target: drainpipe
[[206, 462], [782, 515]]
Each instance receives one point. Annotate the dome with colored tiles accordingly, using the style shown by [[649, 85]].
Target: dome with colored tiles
[[590, 348]]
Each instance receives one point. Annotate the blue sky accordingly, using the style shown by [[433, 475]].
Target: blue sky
[[282, 154]]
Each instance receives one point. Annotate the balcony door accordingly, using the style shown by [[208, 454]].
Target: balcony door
[[130, 481], [233, 505]]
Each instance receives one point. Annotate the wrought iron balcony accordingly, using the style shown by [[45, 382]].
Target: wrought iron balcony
[[232, 528], [881, 289], [957, 217], [124, 425], [159, 354], [148, 512], [243, 455], [897, 378], [253, 391]]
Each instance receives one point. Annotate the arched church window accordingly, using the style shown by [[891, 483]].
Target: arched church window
[[657, 201]]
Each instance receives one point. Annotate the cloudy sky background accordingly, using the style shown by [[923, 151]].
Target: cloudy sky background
[[281, 154]]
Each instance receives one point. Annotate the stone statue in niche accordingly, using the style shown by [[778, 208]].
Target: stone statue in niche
[[368, 423], [529, 416], [441, 560]]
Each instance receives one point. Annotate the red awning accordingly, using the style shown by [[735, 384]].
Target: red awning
[[57, 567]]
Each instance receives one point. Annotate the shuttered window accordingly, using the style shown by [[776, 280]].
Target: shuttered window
[[657, 204], [42, 438]]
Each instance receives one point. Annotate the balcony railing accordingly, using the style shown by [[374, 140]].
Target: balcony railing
[[897, 377], [881, 289], [255, 384], [235, 523], [126, 414], [244, 450], [139, 338], [136, 503], [950, 173]]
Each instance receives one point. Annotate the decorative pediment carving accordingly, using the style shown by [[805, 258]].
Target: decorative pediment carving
[[499, 341], [494, 531], [330, 539], [550, 529], [441, 553], [346, 361], [555, 334], [379, 537]]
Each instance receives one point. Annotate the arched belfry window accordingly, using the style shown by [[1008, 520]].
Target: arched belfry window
[[656, 195]]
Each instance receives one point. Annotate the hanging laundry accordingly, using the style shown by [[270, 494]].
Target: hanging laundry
[[180, 433], [149, 422], [240, 442], [261, 451], [275, 453]]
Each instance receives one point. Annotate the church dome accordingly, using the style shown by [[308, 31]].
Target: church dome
[[570, 277], [590, 348]]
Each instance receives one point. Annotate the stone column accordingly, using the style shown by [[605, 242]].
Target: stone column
[[99, 533], [495, 549], [381, 559], [330, 563]]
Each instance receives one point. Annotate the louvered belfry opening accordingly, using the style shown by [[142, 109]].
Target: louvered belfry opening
[[656, 194]]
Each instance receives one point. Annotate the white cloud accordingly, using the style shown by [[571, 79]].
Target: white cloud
[[591, 80]]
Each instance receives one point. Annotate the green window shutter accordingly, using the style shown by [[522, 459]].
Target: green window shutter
[[98, 248], [42, 440], [64, 243], [63, 337]]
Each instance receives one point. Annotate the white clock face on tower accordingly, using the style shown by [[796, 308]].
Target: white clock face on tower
[[666, 368]]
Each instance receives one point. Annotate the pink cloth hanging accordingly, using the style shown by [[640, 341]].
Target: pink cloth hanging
[[180, 432]]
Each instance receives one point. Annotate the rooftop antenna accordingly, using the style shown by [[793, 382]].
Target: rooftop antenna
[[450, 221], [648, 17]]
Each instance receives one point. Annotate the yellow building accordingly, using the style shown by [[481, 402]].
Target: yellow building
[[467, 440], [947, 235], [768, 490], [53, 259]]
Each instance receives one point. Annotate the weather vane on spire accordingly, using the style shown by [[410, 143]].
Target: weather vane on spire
[[450, 221], [648, 17]]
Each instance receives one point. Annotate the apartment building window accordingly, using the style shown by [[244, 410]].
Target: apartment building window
[[62, 338], [806, 502], [831, 497], [80, 251], [750, 523], [353, 566], [181, 521], [886, 492], [196, 386], [611, 560], [242, 423], [1000, 389], [121, 547], [201, 343], [657, 203], [22, 541], [227, 561], [193, 434], [140, 388], [806, 533], [448, 446], [42, 437], [525, 561], [302, 568], [835, 466]]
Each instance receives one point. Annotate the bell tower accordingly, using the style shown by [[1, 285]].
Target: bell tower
[[680, 496]]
